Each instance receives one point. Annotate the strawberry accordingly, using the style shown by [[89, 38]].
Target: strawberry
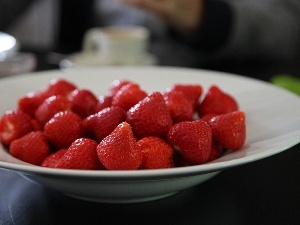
[[180, 108], [191, 91], [128, 96], [36, 125], [50, 107], [103, 102], [207, 117], [193, 138], [104, 122], [52, 159], [217, 101], [59, 87], [157, 153], [13, 125], [179, 160], [116, 85], [80, 155], [31, 148], [119, 150], [229, 130], [215, 152], [150, 117], [83, 102], [63, 128], [30, 102]]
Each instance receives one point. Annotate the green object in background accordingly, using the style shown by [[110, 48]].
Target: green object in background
[[288, 82]]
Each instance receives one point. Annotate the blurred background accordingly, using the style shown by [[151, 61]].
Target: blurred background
[[257, 34]]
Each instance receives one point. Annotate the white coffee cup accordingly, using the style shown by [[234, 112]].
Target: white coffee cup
[[117, 45]]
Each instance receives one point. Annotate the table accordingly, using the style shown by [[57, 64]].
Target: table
[[263, 192]]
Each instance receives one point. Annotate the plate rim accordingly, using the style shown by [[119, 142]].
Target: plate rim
[[142, 174]]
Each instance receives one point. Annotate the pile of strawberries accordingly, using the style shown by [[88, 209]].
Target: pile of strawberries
[[64, 126]]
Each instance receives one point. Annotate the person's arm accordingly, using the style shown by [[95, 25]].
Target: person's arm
[[184, 16], [213, 31], [267, 29], [10, 10]]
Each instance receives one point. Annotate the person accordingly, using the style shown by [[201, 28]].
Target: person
[[217, 30], [192, 33]]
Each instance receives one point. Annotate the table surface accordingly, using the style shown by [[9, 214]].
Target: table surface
[[262, 192]]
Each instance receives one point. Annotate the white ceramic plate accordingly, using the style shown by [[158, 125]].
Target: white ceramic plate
[[91, 60], [273, 125]]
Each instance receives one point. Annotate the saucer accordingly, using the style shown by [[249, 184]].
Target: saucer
[[93, 60]]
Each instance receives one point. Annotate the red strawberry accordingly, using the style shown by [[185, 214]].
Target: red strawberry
[[30, 102], [59, 87], [207, 117], [50, 107], [217, 102], [104, 101], [179, 160], [180, 108], [215, 152], [36, 125], [157, 153], [83, 102], [80, 155], [104, 122], [31, 148], [191, 91], [229, 130], [54, 158], [193, 140], [63, 128], [116, 85], [13, 125], [119, 150], [128, 96], [150, 117]]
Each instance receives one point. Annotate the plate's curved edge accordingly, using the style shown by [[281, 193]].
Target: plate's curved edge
[[117, 175]]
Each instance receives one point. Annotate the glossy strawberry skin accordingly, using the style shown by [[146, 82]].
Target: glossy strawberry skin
[[215, 152], [128, 96], [119, 150], [30, 102], [83, 102], [116, 85], [217, 102], [150, 117], [104, 101], [52, 159], [104, 122], [180, 108], [31, 148], [157, 153], [192, 92], [193, 140], [63, 128], [13, 125], [59, 87], [80, 155], [51, 106], [229, 130]]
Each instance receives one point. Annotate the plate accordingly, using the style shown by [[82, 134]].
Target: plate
[[272, 117], [91, 60]]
